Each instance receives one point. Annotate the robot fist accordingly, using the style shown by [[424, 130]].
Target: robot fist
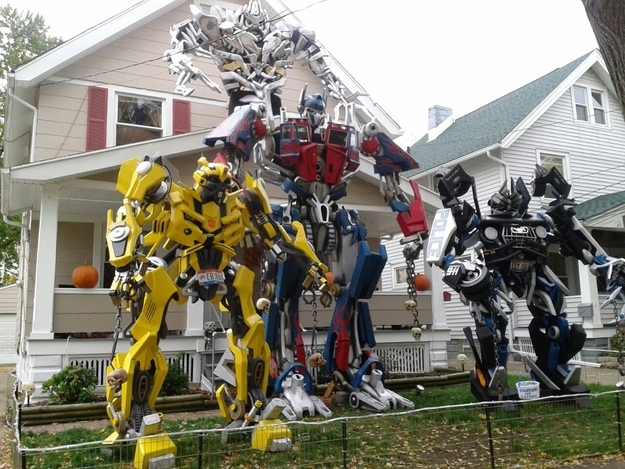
[[315, 275], [617, 275]]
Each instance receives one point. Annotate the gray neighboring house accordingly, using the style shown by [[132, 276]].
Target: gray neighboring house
[[570, 118]]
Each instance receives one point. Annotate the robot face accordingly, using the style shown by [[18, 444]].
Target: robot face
[[213, 182], [315, 109], [254, 18]]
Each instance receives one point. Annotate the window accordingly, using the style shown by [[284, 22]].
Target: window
[[138, 119], [550, 160], [589, 105], [400, 276], [560, 161], [565, 268], [597, 107], [121, 116]]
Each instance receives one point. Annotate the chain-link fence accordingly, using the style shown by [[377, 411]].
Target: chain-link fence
[[508, 434]]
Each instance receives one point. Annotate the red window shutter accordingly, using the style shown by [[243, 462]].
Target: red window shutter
[[182, 116], [96, 118]]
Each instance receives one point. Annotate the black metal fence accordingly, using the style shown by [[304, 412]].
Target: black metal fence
[[534, 433]]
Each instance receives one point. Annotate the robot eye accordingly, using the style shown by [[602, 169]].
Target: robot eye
[[491, 233]]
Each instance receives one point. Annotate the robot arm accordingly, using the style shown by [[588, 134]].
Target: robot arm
[[199, 36], [144, 183], [574, 239], [255, 202]]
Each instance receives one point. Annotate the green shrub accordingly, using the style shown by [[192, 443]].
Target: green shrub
[[71, 385], [176, 382]]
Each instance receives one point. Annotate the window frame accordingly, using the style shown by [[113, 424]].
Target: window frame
[[588, 92], [566, 165], [395, 282], [115, 92]]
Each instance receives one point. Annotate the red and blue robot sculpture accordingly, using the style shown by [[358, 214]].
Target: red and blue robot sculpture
[[312, 159], [313, 164]]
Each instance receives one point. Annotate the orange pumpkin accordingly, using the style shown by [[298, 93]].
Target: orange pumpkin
[[421, 282], [85, 276]]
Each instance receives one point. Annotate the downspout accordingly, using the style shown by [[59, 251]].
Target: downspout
[[31, 154], [506, 169]]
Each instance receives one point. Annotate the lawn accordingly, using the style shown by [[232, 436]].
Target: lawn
[[444, 433]]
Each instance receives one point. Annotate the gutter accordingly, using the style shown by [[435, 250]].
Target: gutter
[[460, 159], [31, 153]]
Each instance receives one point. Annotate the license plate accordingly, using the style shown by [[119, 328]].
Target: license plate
[[519, 266], [211, 277]]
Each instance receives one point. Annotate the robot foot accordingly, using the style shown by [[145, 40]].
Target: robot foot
[[298, 402], [271, 434], [492, 385], [372, 395]]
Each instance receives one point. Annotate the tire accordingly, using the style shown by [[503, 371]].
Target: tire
[[478, 286]]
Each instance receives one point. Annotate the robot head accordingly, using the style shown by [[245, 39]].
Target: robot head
[[254, 18], [313, 107], [213, 181], [511, 202]]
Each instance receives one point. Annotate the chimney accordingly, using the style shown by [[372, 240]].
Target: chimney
[[439, 119]]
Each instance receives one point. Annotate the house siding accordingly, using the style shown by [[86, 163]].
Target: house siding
[[596, 155], [134, 63]]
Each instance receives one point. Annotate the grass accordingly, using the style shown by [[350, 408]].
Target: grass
[[453, 436]]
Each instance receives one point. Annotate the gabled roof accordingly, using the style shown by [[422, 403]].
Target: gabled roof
[[46, 65], [501, 122], [599, 205]]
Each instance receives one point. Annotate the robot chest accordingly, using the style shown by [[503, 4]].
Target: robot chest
[[224, 226]]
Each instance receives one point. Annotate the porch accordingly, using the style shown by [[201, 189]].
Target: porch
[[74, 310]]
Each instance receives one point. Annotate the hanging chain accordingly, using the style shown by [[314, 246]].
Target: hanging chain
[[118, 329], [496, 345], [313, 345], [411, 253], [264, 262]]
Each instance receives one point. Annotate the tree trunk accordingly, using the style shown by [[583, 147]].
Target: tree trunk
[[607, 19]]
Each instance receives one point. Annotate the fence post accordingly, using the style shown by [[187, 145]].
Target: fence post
[[489, 429], [200, 448], [344, 427], [619, 423]]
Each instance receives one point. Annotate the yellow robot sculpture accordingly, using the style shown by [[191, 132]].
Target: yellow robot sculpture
[[169, 242]]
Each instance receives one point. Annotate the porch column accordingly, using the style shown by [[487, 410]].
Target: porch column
[[195, 319], [43, 301], [440, 334], [589, 296]]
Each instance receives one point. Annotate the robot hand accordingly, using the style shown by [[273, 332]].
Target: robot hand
[[126, 287], [617, 272], [315, 277], [613, 269]]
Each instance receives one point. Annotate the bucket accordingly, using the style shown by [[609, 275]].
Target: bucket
[[527, 389]]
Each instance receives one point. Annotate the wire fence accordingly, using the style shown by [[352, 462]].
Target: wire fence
[[541, 433]]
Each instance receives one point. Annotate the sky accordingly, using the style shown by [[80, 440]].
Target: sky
[[409, 56]]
